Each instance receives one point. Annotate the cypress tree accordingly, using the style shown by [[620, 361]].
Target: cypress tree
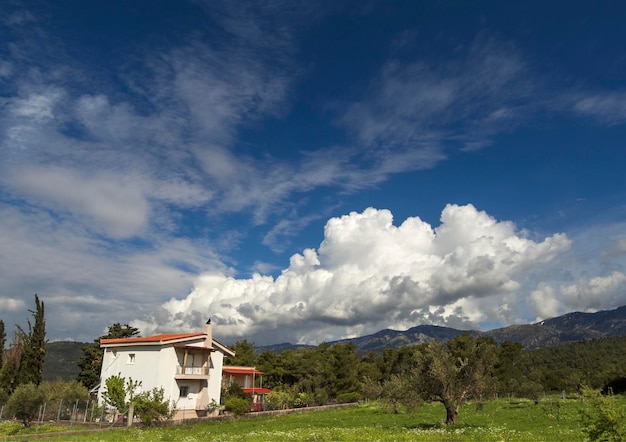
[[3, 339], [31, 362]]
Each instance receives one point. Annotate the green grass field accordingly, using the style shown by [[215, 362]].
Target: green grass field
[[550, 420]]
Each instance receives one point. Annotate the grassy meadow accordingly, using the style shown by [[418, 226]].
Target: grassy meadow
[[502, 420]]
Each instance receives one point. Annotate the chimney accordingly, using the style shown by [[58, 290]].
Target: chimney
[[209, 334]]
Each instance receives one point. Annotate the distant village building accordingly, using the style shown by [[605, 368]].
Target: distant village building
[[188, 366]]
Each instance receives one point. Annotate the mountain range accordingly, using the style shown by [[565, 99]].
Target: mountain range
[[571, 327]]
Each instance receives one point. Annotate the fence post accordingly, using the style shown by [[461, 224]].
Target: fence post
[[73, 415], [59, 412], [38, 419], [86, 407]]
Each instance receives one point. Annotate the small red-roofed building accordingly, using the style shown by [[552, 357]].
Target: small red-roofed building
[[188, 366], [250, 380]]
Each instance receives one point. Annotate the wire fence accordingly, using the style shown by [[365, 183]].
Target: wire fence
[[76, 412]]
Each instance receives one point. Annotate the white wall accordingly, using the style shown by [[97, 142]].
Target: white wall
[[146, 367], [215, 376]]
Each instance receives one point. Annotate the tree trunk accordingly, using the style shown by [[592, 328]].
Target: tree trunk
[[452, 413]]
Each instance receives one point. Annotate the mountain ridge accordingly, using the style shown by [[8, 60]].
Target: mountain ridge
[[570, 327]]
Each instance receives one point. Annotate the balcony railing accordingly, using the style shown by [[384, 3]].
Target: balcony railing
[[198, 371]]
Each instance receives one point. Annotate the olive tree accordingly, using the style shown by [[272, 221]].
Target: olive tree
[[25, 403], [454, 372]]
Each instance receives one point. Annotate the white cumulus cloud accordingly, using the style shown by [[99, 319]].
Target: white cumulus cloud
[[368, 274], [592, 294]]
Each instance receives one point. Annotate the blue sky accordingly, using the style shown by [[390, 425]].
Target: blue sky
[[309, 171]]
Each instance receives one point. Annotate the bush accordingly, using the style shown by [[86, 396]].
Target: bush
[[119, 392], [277, 400], [345, 398], [150, 406], [66, 391], [602, 419], [237, 405], [303, 400], [25, 402], [320, 396]]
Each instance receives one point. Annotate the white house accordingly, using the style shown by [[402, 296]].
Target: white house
[[188, 366]]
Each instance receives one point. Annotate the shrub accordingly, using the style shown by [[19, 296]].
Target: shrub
[[66, 391], [602, 419], [25, 402], [277, 400], [237, 405], [150, 406], [345, 398], [320, 396], [119, 392], [303, 400]]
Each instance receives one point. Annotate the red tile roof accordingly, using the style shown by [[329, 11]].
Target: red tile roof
[[259, 390], [164, 337], [231, 369]]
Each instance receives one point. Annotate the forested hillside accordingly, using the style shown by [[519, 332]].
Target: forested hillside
[[61, 360]]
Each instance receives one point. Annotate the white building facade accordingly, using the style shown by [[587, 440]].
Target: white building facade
[[188, 366]]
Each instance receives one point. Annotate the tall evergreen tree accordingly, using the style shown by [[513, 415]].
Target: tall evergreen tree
[[245, 354], [90, 362], [3, 339], [31, 362]]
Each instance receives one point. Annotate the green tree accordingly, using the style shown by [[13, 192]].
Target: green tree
[[119, 392], [3, 339], [268, 363], [90, 363], [344, 364], [34, 351], [368, 368], [453, 374], [24, 403], [393, 393], [66, 391], [244, 354], [10, 369], [61, 395]]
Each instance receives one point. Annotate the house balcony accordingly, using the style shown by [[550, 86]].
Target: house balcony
[[191, 372]]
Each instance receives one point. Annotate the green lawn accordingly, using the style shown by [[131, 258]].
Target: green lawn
[[550, 420]]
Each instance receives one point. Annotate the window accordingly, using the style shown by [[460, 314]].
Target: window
[[131, 358], [184, 391]]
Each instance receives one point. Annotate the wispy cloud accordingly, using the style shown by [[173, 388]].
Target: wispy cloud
[[462, 100], [606, 107]]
